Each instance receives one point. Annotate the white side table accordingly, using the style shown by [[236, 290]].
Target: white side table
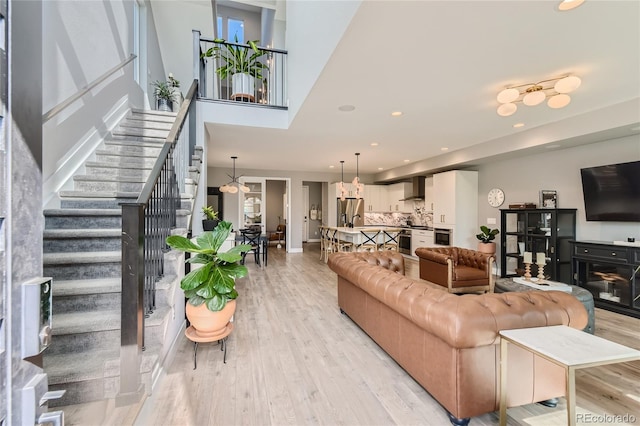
[[567, 347]]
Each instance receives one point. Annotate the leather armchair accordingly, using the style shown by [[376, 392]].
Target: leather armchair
[[458, 269]]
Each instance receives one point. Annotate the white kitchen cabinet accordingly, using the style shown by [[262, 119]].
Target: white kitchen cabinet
[[351, 191], [428, 194], [374, 198], [397, 192], [455, 205], [420, 238]]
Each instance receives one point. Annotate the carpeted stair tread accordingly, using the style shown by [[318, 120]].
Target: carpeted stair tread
[[134, 122], [85, 322], [122, 141], [153, 114], [83, 212], [126, 154], [116, 166], [88, 286], [69, 258], [91, 178], [82, 233], [98, 194]]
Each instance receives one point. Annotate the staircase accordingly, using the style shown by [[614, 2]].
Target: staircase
[[82, 252]]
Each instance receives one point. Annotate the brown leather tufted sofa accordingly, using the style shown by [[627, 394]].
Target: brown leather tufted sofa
[[458, 269], [449, 343]]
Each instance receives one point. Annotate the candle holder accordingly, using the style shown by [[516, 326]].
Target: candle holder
[[540, 273], [527, 271]]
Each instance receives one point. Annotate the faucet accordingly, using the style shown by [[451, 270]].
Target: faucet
[[343, 215], [353, 217]]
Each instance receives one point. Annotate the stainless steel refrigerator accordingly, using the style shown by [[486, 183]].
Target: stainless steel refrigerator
[[351, 211]]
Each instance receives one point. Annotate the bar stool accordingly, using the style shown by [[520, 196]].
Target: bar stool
[[341, 245], [390, 240], [370, 240]]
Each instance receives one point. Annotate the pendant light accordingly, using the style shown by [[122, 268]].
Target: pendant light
[[343, 190], [359, 188], [233, 186]]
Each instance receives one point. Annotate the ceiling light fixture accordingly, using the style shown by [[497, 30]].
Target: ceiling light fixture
[[531, 94], [233, 186], [396, 113], [518, 125], [359, 187], [343, 190], [374, 143], [569, 4], [346, 108]]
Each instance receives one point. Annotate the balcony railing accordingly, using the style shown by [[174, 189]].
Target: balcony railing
[[236, 72]]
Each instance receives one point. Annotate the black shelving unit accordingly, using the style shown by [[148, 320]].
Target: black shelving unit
[[546, 231]]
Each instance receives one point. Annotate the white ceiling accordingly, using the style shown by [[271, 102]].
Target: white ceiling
[[442, 63]]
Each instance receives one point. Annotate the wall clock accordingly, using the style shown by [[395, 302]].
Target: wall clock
[[495, 197]]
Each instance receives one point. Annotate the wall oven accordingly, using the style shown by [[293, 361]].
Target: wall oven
[[442, 236], [404, 241]]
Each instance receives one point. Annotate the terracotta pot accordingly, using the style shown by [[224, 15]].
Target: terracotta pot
[[489, 248], [210, 324]]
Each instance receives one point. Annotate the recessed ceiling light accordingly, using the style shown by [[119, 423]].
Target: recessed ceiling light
[[331, 167], [374, 144], [569, 4], [380, 168], [444, 148], [346, 108], [518, 125], [396, 113], [407, 161]]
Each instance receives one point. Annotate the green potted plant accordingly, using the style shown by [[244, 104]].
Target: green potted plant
[[210, 288], [178, 98], [211, 218], [164, 95], [486, 237], [241, 63]]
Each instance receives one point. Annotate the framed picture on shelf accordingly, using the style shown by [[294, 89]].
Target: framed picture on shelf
[[548, 199]]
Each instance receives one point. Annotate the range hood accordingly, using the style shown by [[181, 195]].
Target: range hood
[[418, 189]]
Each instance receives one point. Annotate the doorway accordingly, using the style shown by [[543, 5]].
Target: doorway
[[216, 200]]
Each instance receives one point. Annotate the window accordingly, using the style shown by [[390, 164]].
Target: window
[[219, 24], [235, 30]]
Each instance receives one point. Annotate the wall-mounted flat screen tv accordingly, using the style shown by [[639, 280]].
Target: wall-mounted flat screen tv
[[612, 193]]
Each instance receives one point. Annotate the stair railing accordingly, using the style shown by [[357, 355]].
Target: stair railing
[[146, 223]]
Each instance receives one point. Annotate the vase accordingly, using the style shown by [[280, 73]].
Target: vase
[[209, 324], [489, 248], [164, 105], [243, 87]]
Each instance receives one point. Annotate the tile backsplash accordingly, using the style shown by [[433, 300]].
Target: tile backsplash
[[420, 217]]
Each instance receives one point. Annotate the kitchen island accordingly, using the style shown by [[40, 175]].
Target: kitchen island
[[366, 237]]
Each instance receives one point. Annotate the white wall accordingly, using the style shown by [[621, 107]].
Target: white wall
[[323, 23], [81, 41], [174, 22], [522, 178]]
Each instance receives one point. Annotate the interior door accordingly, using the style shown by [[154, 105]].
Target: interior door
[[305, 212]]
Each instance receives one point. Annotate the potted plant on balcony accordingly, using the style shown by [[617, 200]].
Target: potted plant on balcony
[[241, 63], [211, 218], [164, 95], [178, 98], [211, 288], [486, 237]]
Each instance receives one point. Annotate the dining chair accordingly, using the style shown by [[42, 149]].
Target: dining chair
[[390, 240], [251, 237]]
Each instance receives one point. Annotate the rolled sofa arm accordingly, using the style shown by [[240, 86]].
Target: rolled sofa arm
[[434, 256]]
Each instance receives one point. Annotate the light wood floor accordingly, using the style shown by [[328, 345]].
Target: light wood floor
[[293, 359]]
